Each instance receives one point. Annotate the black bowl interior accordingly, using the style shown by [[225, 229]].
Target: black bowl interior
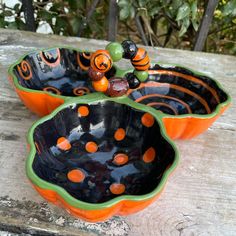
[[131, 162], [60, 70], [176, 90]]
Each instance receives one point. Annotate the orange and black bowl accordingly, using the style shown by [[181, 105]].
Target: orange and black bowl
[[98, 157], [187, 101], [44, 79]]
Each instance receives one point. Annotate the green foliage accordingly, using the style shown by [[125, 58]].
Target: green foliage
[[168, 23]]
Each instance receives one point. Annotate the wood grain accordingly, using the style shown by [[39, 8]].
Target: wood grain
[[200, 197]]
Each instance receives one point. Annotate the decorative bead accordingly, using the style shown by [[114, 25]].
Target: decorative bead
[[95, 75], [117, 87], [132, 80], [141, 60], [101, 61], [101, 85], [111, 72], [130, 49], [116, 51], [141, 75]]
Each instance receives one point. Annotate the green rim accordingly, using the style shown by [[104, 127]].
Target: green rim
[[227, 102], [91, 98], [121, 73]]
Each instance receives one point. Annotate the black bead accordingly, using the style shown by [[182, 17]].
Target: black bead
[[133, 81], [111, 72], [130, 49]]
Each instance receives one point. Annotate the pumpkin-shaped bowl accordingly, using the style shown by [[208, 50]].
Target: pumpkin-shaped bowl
[[44, 79], [98, 156], [189, 101]]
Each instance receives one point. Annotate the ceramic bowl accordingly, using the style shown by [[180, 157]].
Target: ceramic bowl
[[98, 156], [45, 79], [189, 101]]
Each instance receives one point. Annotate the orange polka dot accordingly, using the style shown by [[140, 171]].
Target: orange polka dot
[[83, 111], [119, 134], [117, 188], [149, 155], [91, 147], [147, 120], [63, 144], [76, 176], [120, 159]]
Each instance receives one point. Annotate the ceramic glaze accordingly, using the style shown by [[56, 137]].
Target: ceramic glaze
[[176, 91], [187, 101], [60, 71], [99, 151]]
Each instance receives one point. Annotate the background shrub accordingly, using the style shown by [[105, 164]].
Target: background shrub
[[166, 23]]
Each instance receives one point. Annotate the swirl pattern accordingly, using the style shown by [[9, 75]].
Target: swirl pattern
[[80, 91], [52, 58], [177, 91], [52, 90], [83, 60], [25, 70]]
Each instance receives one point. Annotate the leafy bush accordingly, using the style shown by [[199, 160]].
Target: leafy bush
[[166, 23]]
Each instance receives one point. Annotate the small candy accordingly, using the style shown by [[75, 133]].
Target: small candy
[[95, 75], [101, 61], [130, 49], [141, 60], [132, 80], [101, 85], [115, 50], [141, 75], [117, 87]]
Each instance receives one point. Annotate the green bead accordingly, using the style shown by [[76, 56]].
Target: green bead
[[115, 50], [141, 75]]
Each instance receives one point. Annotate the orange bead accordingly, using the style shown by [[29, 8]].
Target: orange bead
[[101, 85], [101, 61], [141, 60]]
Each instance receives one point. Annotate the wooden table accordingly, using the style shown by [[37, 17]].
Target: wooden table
[[200, 197]]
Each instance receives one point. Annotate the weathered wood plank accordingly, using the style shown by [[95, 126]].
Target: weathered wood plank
[[200, 197]]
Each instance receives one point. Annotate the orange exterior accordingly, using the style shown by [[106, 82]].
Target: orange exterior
[[40, 103], [124, 207], [189, 127]]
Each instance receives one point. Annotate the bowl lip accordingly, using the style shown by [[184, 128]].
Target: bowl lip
[[119, 72], [93, 99], [214, 113]]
